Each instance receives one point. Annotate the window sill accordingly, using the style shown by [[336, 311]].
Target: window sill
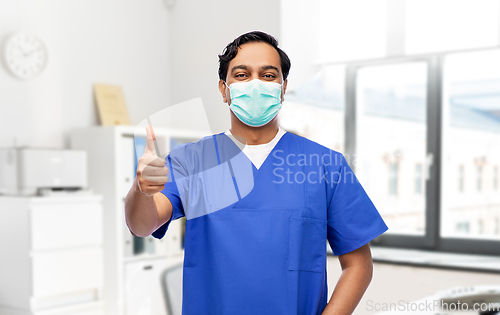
[[423, 258]]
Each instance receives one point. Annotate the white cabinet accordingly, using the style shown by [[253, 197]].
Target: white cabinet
[[51, 258], [132, 265], [83, 225], [143, 287]]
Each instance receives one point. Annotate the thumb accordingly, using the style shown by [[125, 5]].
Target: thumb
[[150, 146]]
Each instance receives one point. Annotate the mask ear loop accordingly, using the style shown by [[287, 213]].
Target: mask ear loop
[[227, 85]]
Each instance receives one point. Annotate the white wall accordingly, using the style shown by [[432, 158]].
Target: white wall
[[117, 42], [160, 56], [199, 31]]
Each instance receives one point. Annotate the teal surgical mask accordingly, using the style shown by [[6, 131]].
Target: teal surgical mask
[[255, 102]]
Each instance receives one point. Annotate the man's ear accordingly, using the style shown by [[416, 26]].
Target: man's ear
[[283, 90], [222, 89]]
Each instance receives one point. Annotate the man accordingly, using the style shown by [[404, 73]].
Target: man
[[258, 219]]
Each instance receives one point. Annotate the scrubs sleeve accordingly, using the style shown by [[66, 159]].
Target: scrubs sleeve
[[353, 220], [171, 191]]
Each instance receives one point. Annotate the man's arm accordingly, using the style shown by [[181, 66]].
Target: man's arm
[[146, 209], [145, 214], [357, 271]]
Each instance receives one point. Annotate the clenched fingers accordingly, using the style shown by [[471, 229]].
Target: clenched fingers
[[154, 171], [156, 179], [152, 160]]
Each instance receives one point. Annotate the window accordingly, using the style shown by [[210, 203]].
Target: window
[[479, 177], [495, 178], [480, 227], [390, 140], [463, 227], [471, 139], [315, 108], [418, 178], [461, 180], [423, 126], [393, 178], [393, 133]]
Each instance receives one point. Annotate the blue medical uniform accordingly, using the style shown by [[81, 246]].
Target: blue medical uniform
[[255, 239]]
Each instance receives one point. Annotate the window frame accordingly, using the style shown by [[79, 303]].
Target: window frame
[[432, 239]]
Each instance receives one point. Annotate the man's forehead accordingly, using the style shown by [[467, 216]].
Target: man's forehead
[[256, 55]]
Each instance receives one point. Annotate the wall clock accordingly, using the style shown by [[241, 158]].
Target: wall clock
[[25, 55]]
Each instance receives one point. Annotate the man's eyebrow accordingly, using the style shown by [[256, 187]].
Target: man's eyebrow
[[243, 67], [269, 67]]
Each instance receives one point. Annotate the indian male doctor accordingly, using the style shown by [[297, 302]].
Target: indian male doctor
[[261, 203]]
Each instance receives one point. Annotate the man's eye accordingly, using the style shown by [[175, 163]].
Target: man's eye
[[240, 75], [269, 76]]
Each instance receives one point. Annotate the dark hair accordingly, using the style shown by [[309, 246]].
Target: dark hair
[[256, 36]]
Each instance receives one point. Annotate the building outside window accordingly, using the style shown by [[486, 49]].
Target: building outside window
[[470, 141], [389, 98], [393, 178], [463, 227], [391, 107], [461, 181], [418, 178], [479, 177], [495, 178]]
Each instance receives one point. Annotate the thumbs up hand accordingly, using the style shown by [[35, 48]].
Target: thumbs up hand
[[151, 170]]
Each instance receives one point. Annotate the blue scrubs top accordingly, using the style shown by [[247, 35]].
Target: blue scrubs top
[[255, 239]]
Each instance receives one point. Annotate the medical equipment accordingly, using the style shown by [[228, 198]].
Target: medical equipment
[[27, 171]]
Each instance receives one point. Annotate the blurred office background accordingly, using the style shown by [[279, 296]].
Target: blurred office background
[[408, 90]]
